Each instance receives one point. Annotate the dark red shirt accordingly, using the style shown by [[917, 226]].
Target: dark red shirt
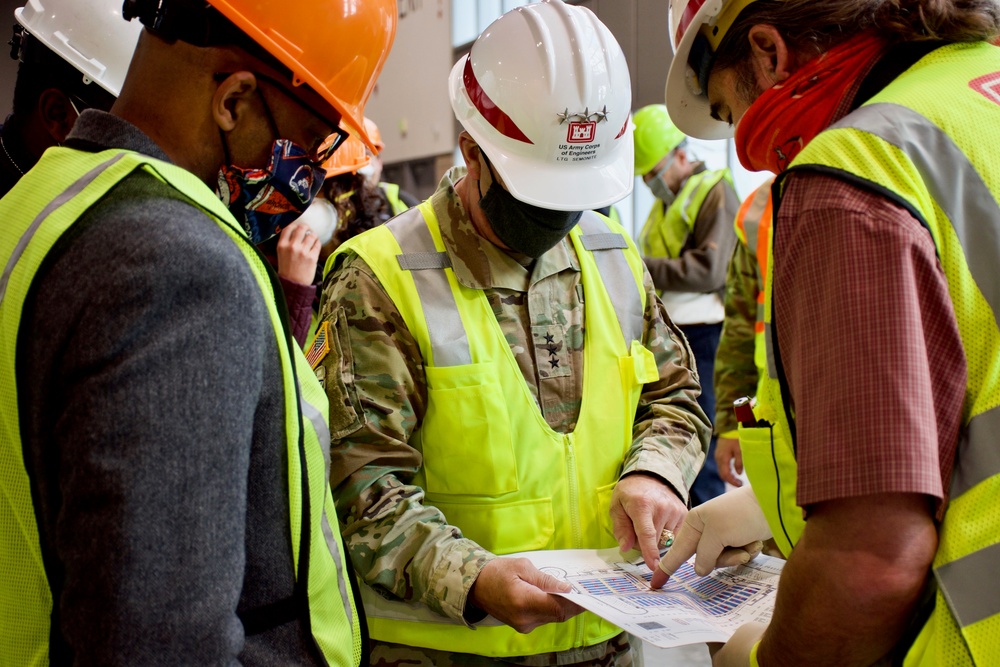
[[869, 342]]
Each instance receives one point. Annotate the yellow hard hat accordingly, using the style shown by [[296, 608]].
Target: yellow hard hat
[[655, 135], [336, 48]]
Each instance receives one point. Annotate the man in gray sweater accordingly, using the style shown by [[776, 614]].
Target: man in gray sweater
[[164, 494]]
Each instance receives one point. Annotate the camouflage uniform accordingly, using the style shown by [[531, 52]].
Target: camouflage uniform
[[407, 549], [735, 370]]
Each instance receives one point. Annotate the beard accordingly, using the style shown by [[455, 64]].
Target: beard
[[746, 85]]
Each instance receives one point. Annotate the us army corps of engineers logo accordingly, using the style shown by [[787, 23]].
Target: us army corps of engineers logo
[[580, 134]]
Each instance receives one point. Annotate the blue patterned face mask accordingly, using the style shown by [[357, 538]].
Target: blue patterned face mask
[[268, 200]]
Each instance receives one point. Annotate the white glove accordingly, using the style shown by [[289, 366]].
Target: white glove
[[736, 652], [727, 530]]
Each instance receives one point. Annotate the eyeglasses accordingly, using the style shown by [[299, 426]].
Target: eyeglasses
[[328, 146]]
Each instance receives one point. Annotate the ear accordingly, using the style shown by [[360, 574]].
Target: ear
[[681, 157], [231, 98], [56, 113], [470, 153], [772, 60]]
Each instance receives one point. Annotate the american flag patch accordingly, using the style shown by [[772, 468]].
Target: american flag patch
[[320, 345]]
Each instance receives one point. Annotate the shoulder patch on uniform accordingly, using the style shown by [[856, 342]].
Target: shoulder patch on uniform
[[320, 345]]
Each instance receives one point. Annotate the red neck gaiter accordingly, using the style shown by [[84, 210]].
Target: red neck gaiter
[[789, 114]]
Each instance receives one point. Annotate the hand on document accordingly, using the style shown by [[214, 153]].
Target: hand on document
[[645, 510], [727, 530]]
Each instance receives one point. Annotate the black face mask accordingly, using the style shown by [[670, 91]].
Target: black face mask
[[522, 227]]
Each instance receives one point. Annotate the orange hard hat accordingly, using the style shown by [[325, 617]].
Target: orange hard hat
[[348, 158], [337, 48], [372, 129]]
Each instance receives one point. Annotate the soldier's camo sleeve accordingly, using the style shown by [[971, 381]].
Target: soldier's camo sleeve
[[671, 432], [735, 369], [374, 379]]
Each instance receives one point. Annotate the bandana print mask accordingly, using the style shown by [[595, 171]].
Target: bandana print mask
[[267, 200]]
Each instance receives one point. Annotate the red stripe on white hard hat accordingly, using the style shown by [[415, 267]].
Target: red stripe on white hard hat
[[495, 116], [690, 10]]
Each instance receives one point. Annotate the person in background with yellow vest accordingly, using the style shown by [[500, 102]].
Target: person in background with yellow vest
[[739, 360], [66, 63], [880, 317], [516, 384], [397, 199], [687, 243], [164, 496]]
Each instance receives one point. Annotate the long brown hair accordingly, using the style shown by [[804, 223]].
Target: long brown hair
[[817, 25]]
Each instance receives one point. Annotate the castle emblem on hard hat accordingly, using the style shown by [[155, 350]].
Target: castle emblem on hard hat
[[582, 126]]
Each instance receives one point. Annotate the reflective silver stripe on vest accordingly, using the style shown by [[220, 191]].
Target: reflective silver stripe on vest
[[421, 261], [974, 464], [333, 544], [971, 586], [619, 281], [449, 342], [68, 194], [315, 417], [951, 180], [603, 241]]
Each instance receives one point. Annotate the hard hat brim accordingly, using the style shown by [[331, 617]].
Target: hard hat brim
[[587, 186]]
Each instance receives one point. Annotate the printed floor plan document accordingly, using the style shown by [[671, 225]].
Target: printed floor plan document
[[688, 610]]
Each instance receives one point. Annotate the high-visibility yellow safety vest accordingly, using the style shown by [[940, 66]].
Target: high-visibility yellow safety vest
[[391, 191], [32, 226], [768, 456], [667, 229], [914, 143], [491, 463]]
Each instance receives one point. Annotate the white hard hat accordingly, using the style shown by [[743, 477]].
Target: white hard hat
[[545, 92], [697, 27], [91, 35]]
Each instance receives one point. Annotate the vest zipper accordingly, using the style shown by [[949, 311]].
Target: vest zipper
[[574, 516], [574, 492]]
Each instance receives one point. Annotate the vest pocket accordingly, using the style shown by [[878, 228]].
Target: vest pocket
[[503, 528], [602, 496], [465, 437], [770, 465]]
